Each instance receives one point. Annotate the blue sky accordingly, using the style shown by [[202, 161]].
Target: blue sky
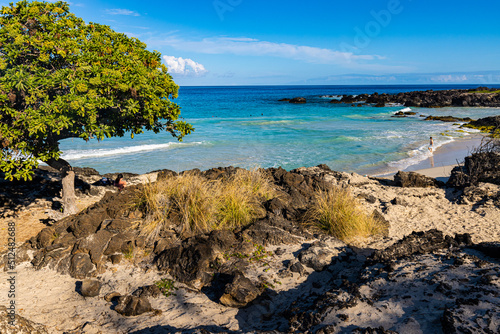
[[254, 42]]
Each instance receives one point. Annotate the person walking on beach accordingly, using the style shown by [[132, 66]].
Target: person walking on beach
[[431, 145], [120, 182]]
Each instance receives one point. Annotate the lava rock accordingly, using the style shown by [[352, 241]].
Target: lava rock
[[240, 292], [298, 100], [90, 288], [413, 180], [415, 243], [80, 266], [132, 306]]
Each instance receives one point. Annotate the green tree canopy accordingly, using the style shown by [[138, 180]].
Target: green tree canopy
[[63, 78]]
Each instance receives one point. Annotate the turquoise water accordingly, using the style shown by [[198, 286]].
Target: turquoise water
[[249, 127]]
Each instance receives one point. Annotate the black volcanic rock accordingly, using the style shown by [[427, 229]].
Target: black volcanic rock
[[413, 179], [298, 100], [478, 167], [415, 243], [447, 119], [433, 99], [491, 121], [132, 305]]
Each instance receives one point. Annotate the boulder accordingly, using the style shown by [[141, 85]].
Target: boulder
[[90, 288], [131, 306], [240, 292], [80, 266], [298, 100], [412, 180]]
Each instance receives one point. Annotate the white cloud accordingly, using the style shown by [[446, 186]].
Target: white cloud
[[253, 47], [450, 78], [121, 11], [184, 66]]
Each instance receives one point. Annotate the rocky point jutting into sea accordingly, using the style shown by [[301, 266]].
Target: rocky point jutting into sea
[[477, 97], [433, 268]]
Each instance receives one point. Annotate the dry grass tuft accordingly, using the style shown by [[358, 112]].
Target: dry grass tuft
[[191, 204], [338, 213]]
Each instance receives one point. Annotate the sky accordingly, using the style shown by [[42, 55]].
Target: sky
[[256, 42]]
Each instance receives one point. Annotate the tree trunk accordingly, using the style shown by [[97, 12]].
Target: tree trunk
[[68, 184]]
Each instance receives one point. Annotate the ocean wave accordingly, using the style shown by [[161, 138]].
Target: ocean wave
[[282, 122], [417, 155], [84, 154], [336, 97], [405, 109]]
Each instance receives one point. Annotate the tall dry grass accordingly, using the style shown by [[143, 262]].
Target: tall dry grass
[[191, 204], [338, 213]]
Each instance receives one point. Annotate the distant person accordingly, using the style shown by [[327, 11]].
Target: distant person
[[120, 182], [431, 145]]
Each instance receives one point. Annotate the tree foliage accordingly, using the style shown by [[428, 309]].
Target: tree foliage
[[61, 77]]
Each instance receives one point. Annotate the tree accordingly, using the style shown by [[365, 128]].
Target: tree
[[62, 78]]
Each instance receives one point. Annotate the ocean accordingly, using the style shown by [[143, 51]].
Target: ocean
[[247, 126]]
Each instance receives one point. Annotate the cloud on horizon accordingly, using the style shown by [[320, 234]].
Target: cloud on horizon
[[184, 66], [122, 11], [486, 78], [244, 46]]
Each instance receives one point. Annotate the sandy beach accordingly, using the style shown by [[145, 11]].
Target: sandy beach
[[446, 157]]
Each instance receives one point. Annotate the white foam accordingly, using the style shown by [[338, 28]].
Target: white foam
[[417, 155], [77, 154], [336, 97], [405, 109]]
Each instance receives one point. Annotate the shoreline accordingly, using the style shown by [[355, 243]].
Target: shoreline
[[440, 164]]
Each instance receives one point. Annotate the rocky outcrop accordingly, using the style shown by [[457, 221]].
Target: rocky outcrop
[[298, 100], [482, 167], [239, 292], [447, 119], [413, 179], [482, 97], [487, 123], [418, 243], [132, 306]]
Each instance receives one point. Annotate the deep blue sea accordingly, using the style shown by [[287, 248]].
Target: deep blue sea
[[249, 127]]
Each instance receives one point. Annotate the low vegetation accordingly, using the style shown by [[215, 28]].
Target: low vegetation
[[486, 91], [337, 213], [166, 287], [190, 203], [489, 125]]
